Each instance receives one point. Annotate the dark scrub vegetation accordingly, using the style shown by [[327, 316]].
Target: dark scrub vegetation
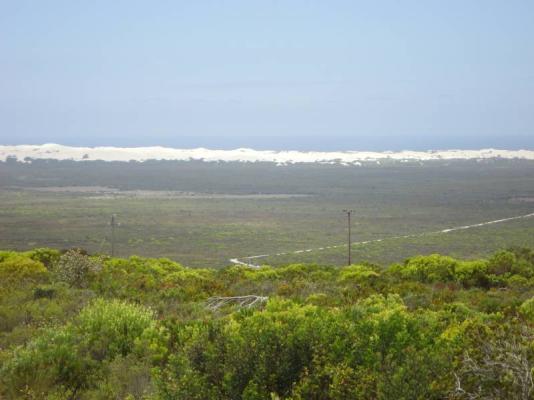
[[75, 326], [390, 199]]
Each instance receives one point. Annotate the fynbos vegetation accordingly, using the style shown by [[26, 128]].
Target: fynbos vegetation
[[75, 326]]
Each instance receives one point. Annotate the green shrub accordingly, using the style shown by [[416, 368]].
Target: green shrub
[[16, 268], [472, 273], [358, 274], [47, 360], [433, 268], [110, 328], [527, 309], [73, 355], [49, 257], [501, 263], [124, 378]]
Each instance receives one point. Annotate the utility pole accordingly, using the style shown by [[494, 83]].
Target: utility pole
[[349, 214], [113, 224]]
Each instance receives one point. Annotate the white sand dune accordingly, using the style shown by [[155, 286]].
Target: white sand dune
[[60, 152]]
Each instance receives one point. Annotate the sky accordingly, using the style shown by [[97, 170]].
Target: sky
[[292, 74]]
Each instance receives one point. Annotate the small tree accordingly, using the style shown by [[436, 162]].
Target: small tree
[[74, 268]]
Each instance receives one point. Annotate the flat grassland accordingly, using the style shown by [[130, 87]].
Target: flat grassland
[[203, 214]]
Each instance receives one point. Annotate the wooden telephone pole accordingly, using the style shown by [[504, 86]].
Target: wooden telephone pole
[[113, 225], [349, 214]]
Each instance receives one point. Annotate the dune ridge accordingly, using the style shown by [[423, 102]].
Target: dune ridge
[[61, 152]]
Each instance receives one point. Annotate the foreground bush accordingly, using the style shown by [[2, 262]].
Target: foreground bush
[[433, 327], [72, 356], [303, 352]]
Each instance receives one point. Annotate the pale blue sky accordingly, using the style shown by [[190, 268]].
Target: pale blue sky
[[378, 75]]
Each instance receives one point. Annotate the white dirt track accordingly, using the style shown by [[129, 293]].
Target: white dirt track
[[247, 261]]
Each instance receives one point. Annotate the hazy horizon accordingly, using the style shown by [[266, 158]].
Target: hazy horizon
[[299, 144]]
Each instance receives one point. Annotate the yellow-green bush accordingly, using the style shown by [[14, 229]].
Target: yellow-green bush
[[19, 268]]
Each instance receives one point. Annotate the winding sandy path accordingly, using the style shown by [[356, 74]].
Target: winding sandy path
[[247, 261]]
